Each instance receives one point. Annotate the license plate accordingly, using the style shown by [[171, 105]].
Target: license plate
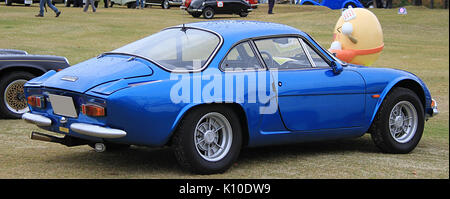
[[63, 105], [63, 129], [28, 1]]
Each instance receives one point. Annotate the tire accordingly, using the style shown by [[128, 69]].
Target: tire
[[8, 2], [131, 5], [112, 4], [165, 4], [399, 105], [66, 3], [208, 13], [350, 4], [11, 95], [96, 4], [194, 150], [196, 15], [243, 14], [27, 5]]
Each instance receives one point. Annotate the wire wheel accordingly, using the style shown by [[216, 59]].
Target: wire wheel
[[14, 97], [213, 136], [403, 121]]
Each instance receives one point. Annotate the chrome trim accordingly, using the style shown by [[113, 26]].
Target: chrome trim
[[97, 131], [435, 108], [306, 51], [211, 57], [37, 119]]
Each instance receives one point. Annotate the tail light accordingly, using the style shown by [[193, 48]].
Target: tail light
[[36, 101], [93, 110]]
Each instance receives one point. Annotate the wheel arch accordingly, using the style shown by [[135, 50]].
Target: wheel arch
[[37, 71], [237, 108], [411, 84]]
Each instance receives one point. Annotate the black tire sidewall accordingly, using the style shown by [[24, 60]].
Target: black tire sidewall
[[5, 80], [208, 9], [398, 95], [196, 163]]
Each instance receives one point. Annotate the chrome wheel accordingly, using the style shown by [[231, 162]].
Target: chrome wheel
[[166, 4], [14, 97], [213, 136], [403, 121]]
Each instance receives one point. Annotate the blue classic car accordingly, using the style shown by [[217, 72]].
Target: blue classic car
[[209, 89], [333, 4]]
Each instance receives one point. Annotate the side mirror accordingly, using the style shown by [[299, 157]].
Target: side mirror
[[337, 67]]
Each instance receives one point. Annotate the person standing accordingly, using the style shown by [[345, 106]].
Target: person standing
[[87, 5], [106, 3], [141, 3], [271, 4], [49, 3]]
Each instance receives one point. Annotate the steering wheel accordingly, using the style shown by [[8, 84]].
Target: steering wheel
[[270, 60]]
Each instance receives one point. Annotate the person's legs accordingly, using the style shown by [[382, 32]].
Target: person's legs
[[49, 3], [106, 3], [137, 3], [93, 5], [41, 7], [142, 4], [271, 4], [86, 6]]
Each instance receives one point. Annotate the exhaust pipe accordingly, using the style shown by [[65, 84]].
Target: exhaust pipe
[[66, 140], [46, 138]]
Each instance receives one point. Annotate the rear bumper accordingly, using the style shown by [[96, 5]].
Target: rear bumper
[[81, 128]]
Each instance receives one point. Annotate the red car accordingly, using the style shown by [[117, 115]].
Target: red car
[[186, 3]]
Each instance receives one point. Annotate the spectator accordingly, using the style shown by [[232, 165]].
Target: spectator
[[49, 3], [87, 5], [271, 4], [142, 4], [106, 3]]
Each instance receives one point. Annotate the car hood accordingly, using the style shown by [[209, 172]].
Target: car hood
[[96, 71]]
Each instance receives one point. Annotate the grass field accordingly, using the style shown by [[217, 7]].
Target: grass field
[[417, 42]]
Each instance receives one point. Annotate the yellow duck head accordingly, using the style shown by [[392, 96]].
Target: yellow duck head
[[358, 38]]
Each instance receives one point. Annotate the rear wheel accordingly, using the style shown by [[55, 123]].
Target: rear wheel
[[13, 103], [67, 3], [243, 14], [208, 13], [8, 2], [196, 15], [208, 140], [399, 123], [131, 5]]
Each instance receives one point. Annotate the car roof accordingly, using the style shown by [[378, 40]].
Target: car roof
[[236, 30]]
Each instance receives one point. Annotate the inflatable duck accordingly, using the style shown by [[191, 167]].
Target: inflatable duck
[[358, 38]]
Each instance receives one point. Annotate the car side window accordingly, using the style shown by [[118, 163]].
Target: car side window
[[283, 53], [318, 61], [241, 57]]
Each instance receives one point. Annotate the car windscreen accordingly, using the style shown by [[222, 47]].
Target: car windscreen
[[175, 49]]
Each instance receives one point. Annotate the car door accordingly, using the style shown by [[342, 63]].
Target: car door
[[224, 6], [311, 96]]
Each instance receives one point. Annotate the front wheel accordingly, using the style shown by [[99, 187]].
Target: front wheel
[[208, 140], [243, 14], [399, 123], [165, 4]]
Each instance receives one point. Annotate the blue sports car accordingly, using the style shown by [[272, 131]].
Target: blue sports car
[[333, 4], [209, 89]]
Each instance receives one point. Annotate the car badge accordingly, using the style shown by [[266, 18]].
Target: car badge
[[69, 78]]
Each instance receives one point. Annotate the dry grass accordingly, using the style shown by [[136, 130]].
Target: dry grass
[[417, 42]]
